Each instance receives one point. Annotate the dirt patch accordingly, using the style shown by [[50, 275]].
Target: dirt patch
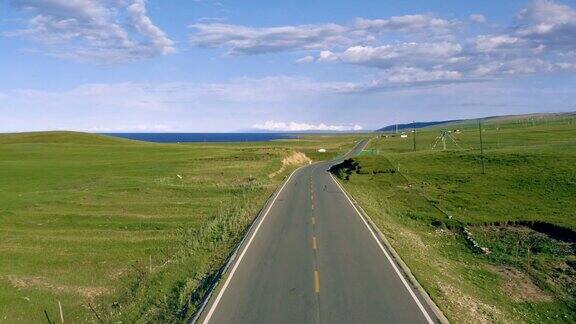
[[518, 286], [296, 158], [557, 232], [118, 273], [414, 240], [41, 283], [462, 302]]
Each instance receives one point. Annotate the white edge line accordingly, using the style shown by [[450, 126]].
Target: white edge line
[[229, 278], [428, 318]]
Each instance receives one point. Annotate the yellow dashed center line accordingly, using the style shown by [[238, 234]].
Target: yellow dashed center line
[[314, 244]]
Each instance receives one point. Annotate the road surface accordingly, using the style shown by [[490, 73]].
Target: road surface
[[311, 258]]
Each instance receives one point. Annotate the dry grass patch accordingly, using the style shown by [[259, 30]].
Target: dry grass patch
[[467, 304], [518, 286], [295, 159], [87, 292]]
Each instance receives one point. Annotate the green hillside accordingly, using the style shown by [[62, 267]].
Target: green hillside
[[521, 212], [63, 137], [123, 230]]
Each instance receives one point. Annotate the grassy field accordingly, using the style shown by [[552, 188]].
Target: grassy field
[[123, 230], [521, 211]]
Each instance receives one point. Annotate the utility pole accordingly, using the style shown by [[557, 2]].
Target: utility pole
[[414, 131], [481, 145]]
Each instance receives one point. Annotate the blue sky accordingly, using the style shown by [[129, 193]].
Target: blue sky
[[185, 66]]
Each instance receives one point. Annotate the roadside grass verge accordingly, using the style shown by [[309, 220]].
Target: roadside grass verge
[[123, 230], [521, 211]]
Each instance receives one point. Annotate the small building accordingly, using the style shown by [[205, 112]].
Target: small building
[[322, 150], [403, 135]]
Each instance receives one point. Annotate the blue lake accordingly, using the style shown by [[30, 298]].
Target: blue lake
[[203, 137]]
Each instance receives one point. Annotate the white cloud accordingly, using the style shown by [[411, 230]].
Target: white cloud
[[140, 20], [189, 106], [200, 107], [544, 41], [521, 65], [104, 31], [477, 18], [327, 56], [244, 40], [549, 24], [172, 106], [272, 125], [410, 49], [306, 59], [548, 12], [407, 64], [487, 43], [543, 27], [541, 42], [407, 24], [416, 75], [211, 19], [386, 56], [416, 49]]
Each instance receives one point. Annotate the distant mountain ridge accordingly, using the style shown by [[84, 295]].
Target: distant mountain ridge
[[415, 125], [402, 127]]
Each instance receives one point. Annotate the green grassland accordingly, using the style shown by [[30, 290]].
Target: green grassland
[[120, 230], [522, 210]]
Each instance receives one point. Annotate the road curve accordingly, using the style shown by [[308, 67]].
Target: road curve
[[311, 258]]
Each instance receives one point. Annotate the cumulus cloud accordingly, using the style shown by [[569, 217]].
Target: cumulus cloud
[[409, 49], [292, 126], [477, 18], [543, 26], [104, 31], [486, 43], [244, 40], [140, 20], [543, 41], [416, 49], [548, 24]]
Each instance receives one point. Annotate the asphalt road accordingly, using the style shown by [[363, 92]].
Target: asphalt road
[[311, 258]]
